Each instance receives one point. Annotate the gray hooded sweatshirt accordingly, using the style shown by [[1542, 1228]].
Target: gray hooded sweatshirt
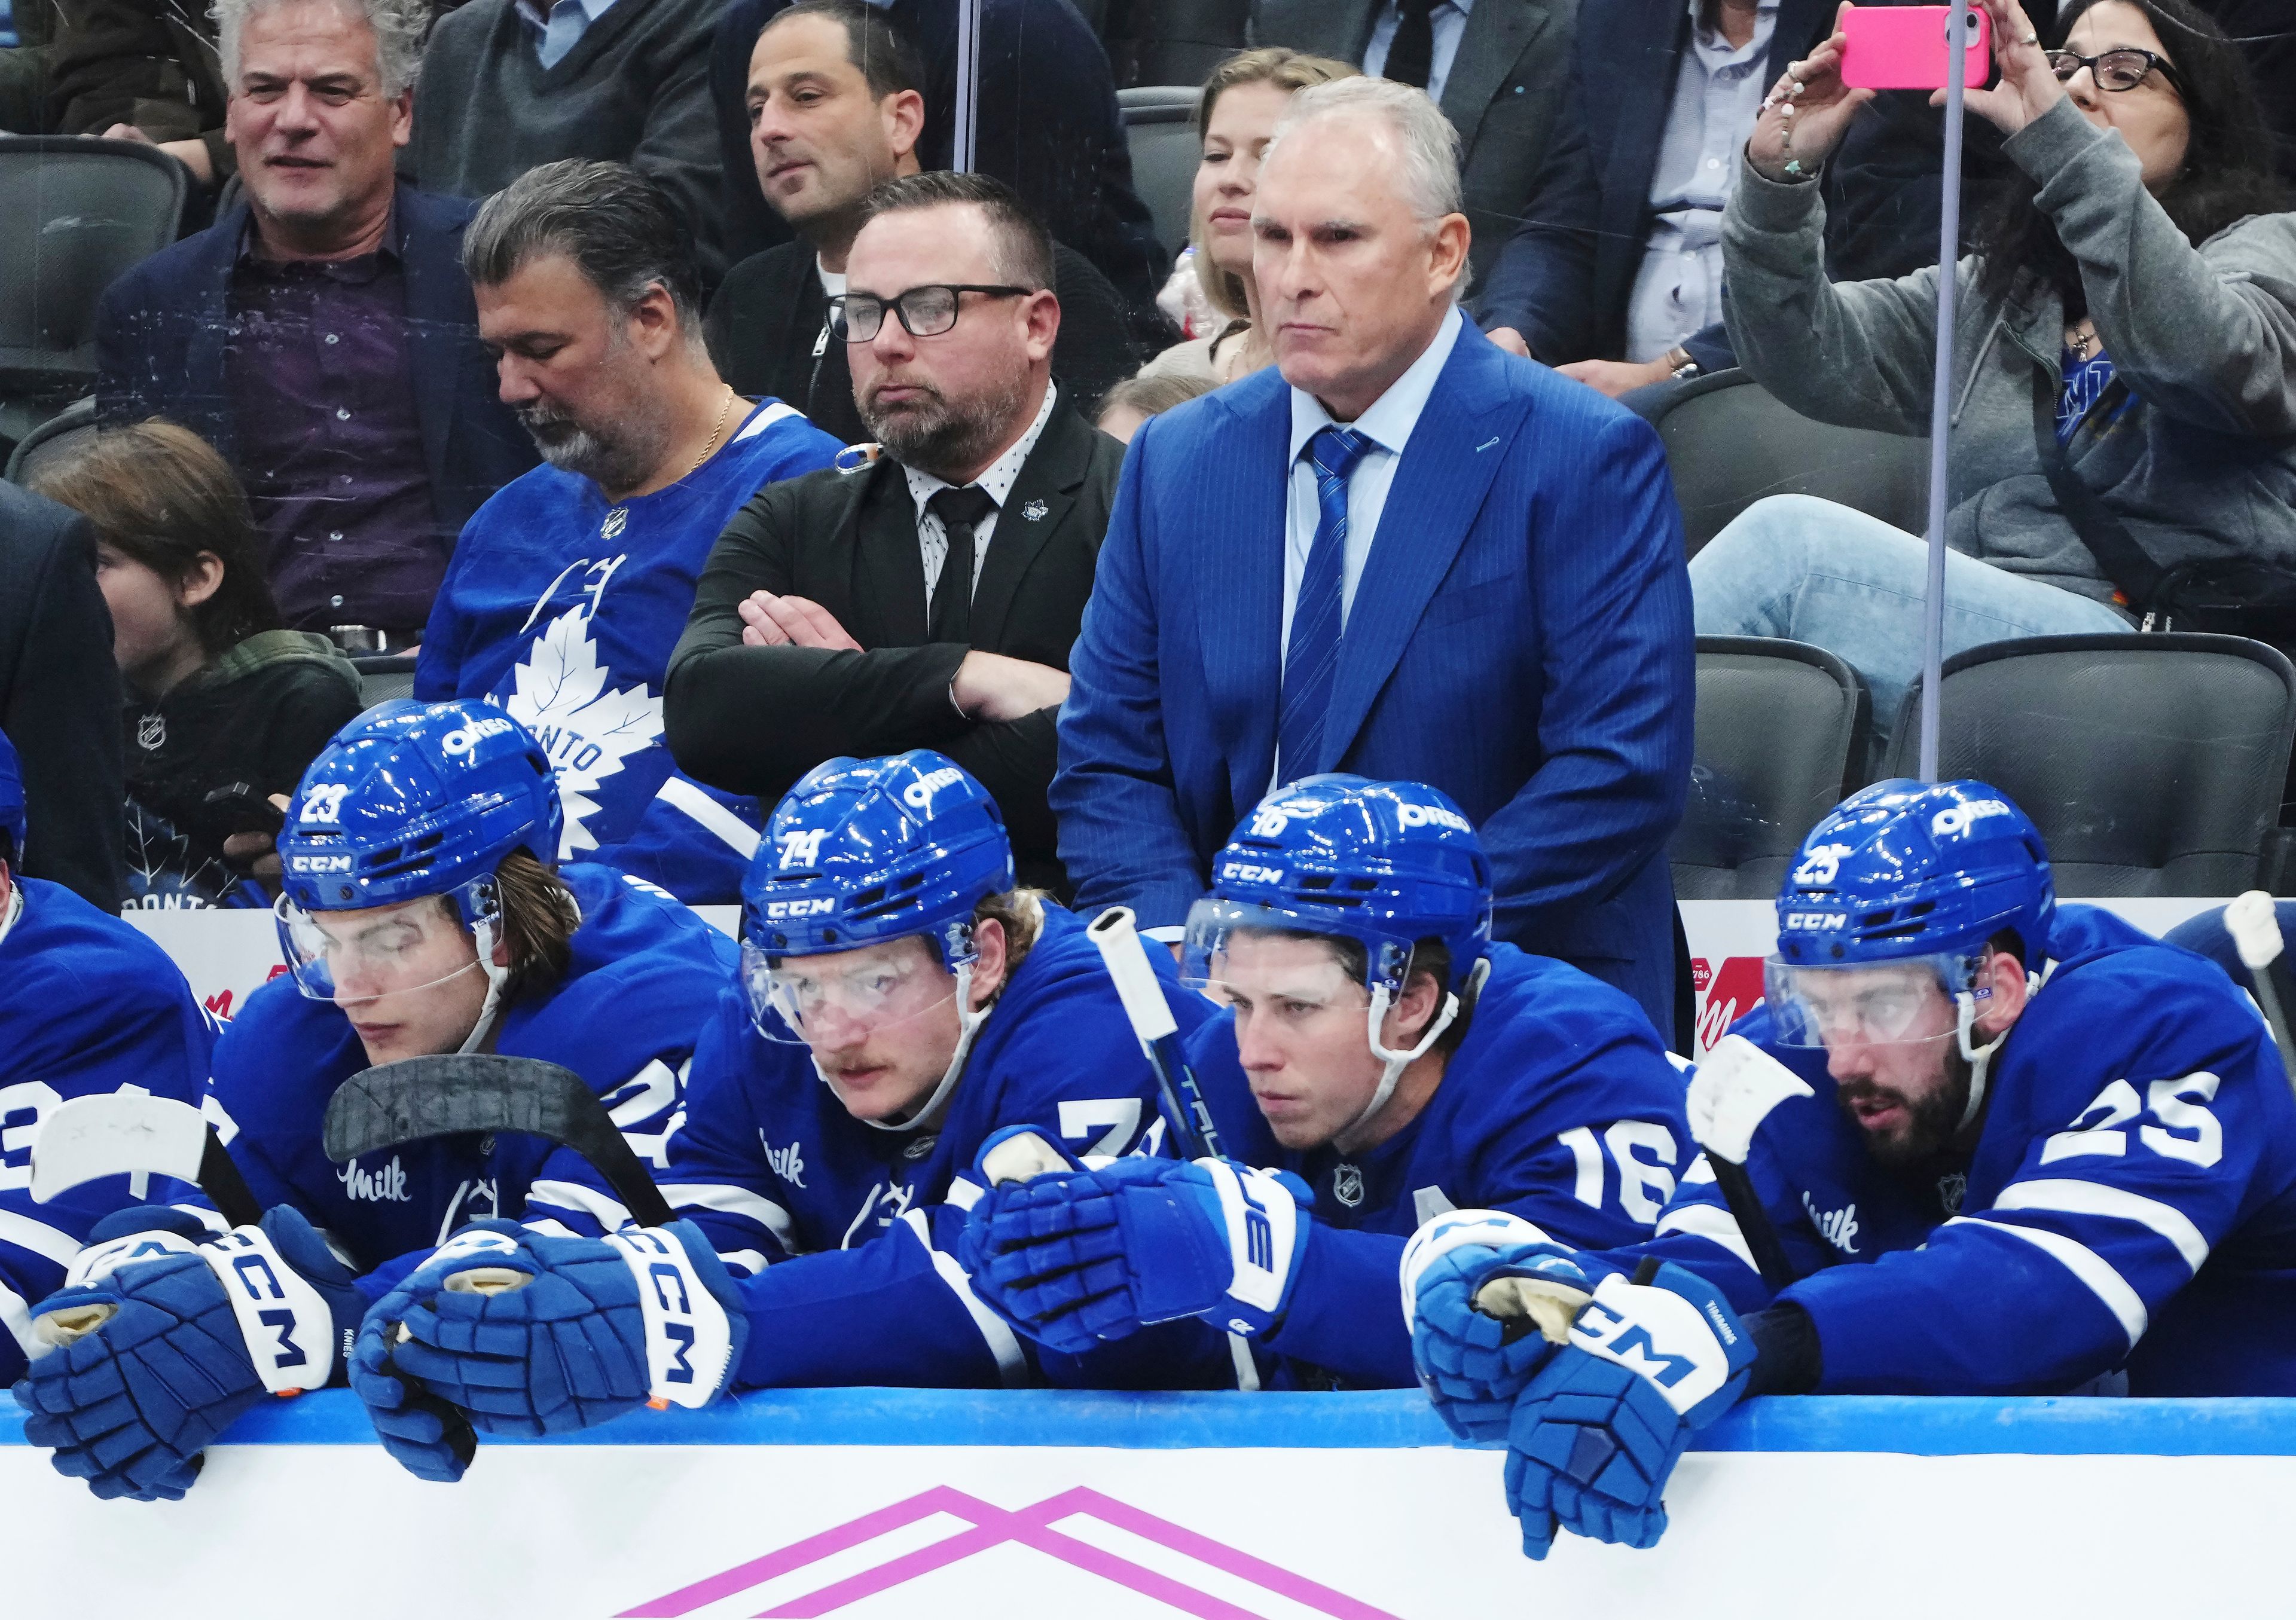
[[2201, 466]]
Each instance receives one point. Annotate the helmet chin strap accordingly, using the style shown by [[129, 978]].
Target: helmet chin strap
[[1396, 1062], [1979, 1058], [483, 931], [968, 1024]]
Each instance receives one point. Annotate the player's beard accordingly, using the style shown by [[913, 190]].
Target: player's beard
[[947, 438], [1931, 1121]]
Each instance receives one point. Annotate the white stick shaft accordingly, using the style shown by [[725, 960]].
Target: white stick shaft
[[1135, 981]]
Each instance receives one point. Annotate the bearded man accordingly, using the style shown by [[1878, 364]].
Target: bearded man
[[568, 589], [926, 594]]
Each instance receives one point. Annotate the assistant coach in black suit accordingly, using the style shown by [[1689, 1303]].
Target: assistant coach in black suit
[[928, 599]]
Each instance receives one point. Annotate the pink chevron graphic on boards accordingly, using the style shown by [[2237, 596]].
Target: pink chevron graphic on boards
[[993, 1527]]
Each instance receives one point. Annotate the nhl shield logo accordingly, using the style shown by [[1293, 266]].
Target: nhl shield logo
[[1346, 1184], [616, 520], [152, 731], [1950, 1191]]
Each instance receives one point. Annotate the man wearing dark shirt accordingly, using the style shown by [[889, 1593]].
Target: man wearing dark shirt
[[322, 334]]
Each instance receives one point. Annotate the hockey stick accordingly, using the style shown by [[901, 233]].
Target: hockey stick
[[1736, 1085], [133, 1132], [2253, 922], [474, 1092], [1186, 1114]]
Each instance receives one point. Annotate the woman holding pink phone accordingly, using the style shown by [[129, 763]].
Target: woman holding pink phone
[[2124, 438]]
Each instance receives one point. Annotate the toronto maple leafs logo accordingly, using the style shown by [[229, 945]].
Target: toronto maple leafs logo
[[588, 726]]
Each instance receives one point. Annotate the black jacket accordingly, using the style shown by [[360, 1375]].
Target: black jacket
[[60, 697], [768, 328], [754, 719], [257, 716]]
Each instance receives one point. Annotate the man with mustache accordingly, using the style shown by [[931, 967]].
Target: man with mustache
[[321, 334], [927, 595], [569, 588]]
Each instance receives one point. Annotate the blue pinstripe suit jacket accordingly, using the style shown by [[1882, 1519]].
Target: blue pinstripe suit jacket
[[1521, 638]]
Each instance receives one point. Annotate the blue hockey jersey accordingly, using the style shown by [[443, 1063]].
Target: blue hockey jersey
[[564, 610], [645, 973], [1561, 1106], [2130, 1201], [843, 1233], [88, 1005]]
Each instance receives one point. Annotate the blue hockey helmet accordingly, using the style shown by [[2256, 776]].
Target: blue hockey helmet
[[1907, 872], [11, 802], [411, 800]]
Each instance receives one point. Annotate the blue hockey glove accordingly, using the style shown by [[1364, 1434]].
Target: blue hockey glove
[[160, 1342], [1596, 1436], [1071, 1259], [1489, 1300], [537, 1335]]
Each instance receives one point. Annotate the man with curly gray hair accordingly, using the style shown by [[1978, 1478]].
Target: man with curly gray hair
[[322, 333]]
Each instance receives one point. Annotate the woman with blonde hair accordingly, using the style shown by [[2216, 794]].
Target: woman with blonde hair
[[1243, 99]]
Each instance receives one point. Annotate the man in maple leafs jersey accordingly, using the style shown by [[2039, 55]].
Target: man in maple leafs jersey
[[899, 1001], [485, 944], [1378, 1047], [2008, 1147], [88, 1005], [570, 586]]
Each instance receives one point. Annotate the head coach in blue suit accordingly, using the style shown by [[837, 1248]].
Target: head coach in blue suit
[[1402, 553]]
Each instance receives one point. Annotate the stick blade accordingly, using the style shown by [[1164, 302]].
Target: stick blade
[[116, 1133]]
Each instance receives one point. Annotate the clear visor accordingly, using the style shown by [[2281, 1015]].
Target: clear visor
[[841, 998], [1233, 950], [353, 957], [1884, 1003]]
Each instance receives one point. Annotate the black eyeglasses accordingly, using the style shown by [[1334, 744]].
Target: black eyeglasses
[[926, 312], [2121, 70]]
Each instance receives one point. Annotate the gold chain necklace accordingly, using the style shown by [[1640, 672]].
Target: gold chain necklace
[[723, 410]]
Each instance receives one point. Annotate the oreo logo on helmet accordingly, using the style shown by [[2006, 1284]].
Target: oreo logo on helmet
[[1434, 815], [1960, 818], [918, 794], [463, 739]]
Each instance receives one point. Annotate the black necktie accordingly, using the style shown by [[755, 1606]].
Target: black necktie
[[961, 511], [1411, 54]]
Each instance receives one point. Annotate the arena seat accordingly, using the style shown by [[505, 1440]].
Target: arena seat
[[84, 210], [2152, 764], [59, 437], [1160, 127], [1729, 442], [383, 676], [1782, 725]]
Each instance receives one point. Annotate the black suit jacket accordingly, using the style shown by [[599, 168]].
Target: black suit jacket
[[1564, 278], [754, 719], [161, 329], [59, 699], [1503, 91], [765, 324]]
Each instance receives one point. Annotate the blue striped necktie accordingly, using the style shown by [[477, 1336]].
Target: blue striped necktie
[[1312, 652]]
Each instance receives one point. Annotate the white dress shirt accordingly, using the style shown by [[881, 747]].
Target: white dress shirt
[[559, 29], [932, 535], [1447, 22]]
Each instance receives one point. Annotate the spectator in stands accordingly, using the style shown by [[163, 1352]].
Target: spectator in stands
[[225, 708], [2126, 329], [321, 334], [569, 589], [512, 84], [1243, 99], [1614, 273], [929, 602], [1135, 399], [1401, 552], [1496, 68], [60, 697], [1046, 125], [142, 70], [835, 107]]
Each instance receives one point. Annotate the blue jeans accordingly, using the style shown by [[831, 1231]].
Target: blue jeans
[[1809, 570]]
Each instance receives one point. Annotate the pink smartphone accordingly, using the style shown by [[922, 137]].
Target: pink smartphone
[[1903, 47]]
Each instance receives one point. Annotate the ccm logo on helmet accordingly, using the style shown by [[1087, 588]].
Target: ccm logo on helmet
[[800, 908], [463, 739], [1241, 872], [1434, 815], [1815, 923], [1960, 818], [918, 794], [320, 863]]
